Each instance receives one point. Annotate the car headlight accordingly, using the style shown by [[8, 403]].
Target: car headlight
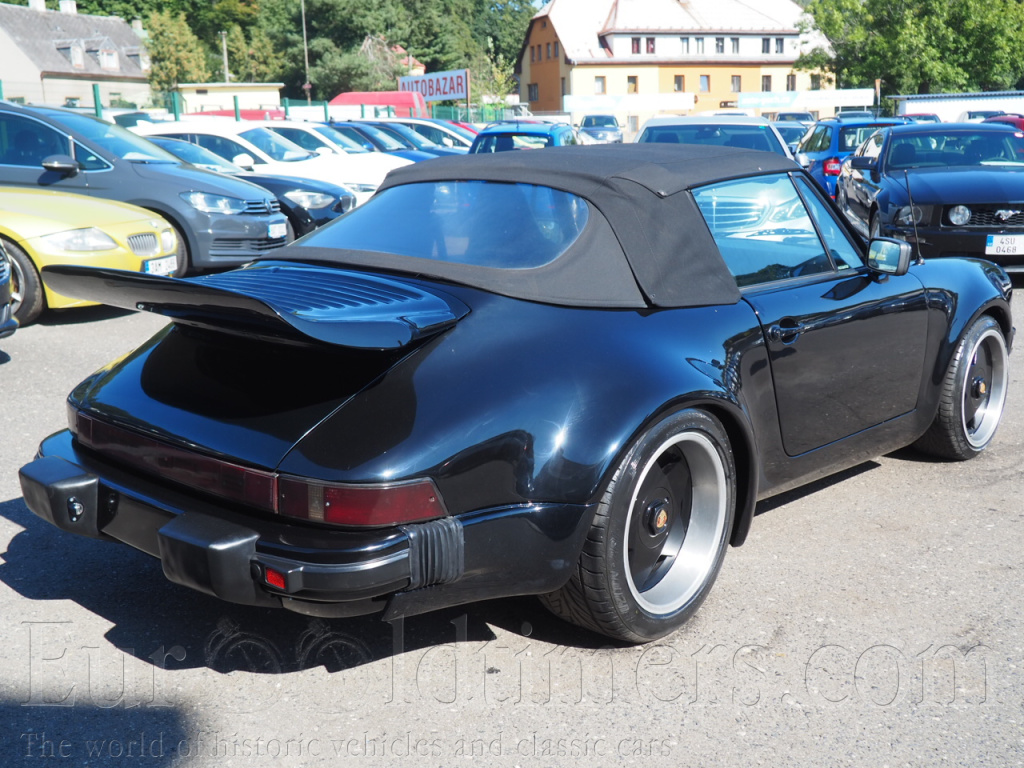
[[309, 200], [91, 239], [959, 215], [168, 240], [208, 203], [909, 215]]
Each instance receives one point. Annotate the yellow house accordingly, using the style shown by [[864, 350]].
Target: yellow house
[[637, 58]]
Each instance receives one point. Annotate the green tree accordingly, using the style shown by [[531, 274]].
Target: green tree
[[918, 46], [176, 55]]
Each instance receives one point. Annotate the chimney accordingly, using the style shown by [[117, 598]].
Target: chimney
[[37, 5], [69, 6]]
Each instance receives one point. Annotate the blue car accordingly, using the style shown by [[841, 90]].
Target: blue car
[[501, 137], [7, 322], [822, 150]]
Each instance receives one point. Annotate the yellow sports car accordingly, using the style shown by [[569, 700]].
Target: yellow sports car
[[39, 227]]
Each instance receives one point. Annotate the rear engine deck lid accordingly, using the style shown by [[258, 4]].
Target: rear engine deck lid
[[281, 301]]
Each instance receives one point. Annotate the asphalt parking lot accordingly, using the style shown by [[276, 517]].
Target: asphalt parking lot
[[872, 619]]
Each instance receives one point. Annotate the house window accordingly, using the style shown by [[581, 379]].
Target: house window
[[599, 85], [735, 44], [533, 92], [650, 44], [685, 43], [705, 83], [766, 45], [790, 82], [815, 82], [556, 49], [631, 84], [766, 83], [563, 86], [736, 83], [549, 50], [780, 45], [699, 43], [108, 60], [719, 45], [533, 54], [678, 84], [636, 44]]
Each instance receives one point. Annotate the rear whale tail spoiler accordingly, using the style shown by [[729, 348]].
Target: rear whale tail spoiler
[[280, 301]]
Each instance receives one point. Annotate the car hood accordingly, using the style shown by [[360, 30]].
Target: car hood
[[34, 212], [189, 178], [935, 186]]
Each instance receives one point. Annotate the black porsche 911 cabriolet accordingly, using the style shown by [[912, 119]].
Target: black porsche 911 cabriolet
[[569, 373]]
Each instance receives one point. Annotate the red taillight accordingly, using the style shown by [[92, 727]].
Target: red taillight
[[274, 578], [832, 166], [368, 505], [409, 502], [253, 487]]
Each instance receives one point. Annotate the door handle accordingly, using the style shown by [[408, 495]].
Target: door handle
[[785, 331]]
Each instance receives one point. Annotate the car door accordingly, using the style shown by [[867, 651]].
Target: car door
[[862, 186], [846, 347], [25, 142]]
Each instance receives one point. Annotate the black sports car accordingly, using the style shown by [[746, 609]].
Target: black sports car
[[568, 373], [950, 189]]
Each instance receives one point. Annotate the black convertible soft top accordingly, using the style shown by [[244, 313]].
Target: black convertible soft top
[[648, 247]]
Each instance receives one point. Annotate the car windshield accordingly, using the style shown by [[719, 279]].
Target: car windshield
[[503, 142], [485, 224], [274, 145], [599, 121], [939, 148], [722, 135], [459, 130], [115, 139], [198, 156], [852, 136], [383, 140], [791, 132], [340, 139], [404, 133]]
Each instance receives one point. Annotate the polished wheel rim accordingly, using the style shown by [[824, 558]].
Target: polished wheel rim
[[675, 523], [17, 286], [984, 388]]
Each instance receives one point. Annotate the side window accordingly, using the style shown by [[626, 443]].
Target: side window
[[762, 229], [226, 148], [28, 142], [88, 159], [843, 252]]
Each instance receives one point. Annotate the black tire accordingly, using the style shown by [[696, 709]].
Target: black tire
[[184, 257], [27, 300], [874, 227], [659, 534], [973, 395]]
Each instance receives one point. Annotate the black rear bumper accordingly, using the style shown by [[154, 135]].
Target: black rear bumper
[[253, 560]]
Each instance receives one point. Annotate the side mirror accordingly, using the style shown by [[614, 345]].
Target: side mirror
[[803, 160], [888, 256], [448, 141], [244, 160], [321, 151], [64, 164], [862, 163]]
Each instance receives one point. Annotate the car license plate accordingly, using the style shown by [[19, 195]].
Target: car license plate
[[1006, 245], [278, 230], [165, 265]]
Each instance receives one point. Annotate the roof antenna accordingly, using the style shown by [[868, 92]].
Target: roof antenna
[[913, 217]]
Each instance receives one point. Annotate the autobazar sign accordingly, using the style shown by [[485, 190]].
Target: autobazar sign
[[438, 86]]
